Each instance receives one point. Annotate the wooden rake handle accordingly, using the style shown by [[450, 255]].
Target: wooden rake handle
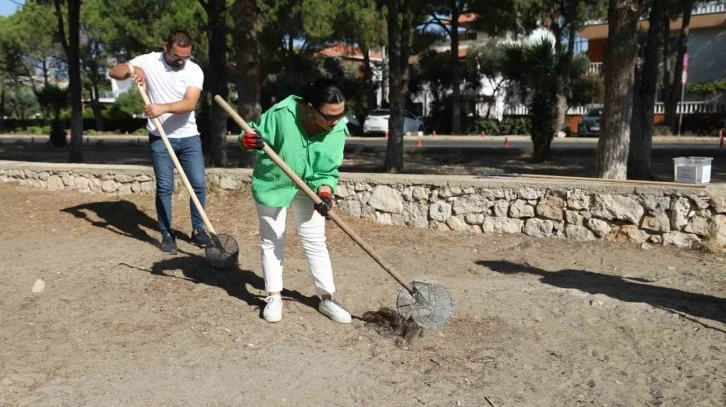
[[177, 164], [310, 193]]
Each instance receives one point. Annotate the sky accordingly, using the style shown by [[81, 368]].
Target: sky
[[8, 7]]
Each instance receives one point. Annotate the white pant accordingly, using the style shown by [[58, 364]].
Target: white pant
[[310, 227]]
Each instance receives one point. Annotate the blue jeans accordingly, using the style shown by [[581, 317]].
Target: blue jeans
[[189, 152]]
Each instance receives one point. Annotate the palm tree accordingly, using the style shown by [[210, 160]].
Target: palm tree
[[532, 67]]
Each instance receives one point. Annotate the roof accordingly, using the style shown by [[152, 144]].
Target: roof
[[348, 51], [464, 20], [701, 21], [468, 18]]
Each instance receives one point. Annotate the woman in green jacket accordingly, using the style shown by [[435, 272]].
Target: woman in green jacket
[[308, 133]]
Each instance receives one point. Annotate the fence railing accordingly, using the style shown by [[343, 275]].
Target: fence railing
[[706, 8], [710, 7], [685, 108], [595, 68]]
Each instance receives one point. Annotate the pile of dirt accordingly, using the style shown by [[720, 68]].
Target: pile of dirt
[[388, 322]]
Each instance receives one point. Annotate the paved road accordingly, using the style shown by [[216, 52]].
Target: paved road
[[438, 142], [524, 143]]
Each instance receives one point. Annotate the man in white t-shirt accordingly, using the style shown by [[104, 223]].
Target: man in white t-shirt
[[174, 84]]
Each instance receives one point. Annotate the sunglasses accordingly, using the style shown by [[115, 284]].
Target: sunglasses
[[329, 118], [174, 57]]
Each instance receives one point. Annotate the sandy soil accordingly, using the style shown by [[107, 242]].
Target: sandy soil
[[538, 322]]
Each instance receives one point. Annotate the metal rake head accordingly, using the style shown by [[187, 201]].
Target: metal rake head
[[431, 305], [223, 252]]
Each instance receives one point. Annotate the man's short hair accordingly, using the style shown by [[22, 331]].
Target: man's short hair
[[180, 38]]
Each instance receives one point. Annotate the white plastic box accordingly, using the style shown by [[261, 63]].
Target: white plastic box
[[692, 170]]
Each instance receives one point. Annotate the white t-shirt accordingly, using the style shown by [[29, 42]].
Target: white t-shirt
[[165, 85]]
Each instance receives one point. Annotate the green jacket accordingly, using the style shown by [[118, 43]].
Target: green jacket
[[314, 159]]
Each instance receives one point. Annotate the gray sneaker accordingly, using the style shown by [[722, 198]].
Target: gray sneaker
[[201, 238], [168, 244]]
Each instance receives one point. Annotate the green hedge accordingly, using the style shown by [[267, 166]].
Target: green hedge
[[110, 126]]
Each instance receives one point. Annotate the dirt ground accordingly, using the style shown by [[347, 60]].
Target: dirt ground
[[538, 322], [451, 161]]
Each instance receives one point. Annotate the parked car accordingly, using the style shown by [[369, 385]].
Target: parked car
[[377, 122], [353, 124], [589, 125]]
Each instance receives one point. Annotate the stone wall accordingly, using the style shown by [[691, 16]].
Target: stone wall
[[583, 211]]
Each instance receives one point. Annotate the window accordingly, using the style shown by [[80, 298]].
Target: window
[[581, 46], [594, 113]]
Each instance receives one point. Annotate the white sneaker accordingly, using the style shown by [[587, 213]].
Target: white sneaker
[[334, 311], [273, 309]]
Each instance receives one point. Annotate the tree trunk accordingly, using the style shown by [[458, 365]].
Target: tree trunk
[[397, 36], [641, 138], [368, 78], [71, 47], [543, 122], [216, 14], [90, 65], [2, 109], [675, 88], [44, 67], [541, 152], [248, 67], [455, 70], [564, 82], [620, 54], [95, 95], [385, 77], [666, 87], [637, 149], [290, 54], [564, 59], [96, 105]]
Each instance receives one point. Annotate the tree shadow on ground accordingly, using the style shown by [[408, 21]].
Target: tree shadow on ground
[[234, 280], [122, 217], [625, 289]]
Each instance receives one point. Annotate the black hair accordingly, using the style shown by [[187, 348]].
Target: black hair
[[180, 38], [323, 91]]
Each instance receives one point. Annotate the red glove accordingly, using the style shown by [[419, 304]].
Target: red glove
[[252, 141], [327, 203]]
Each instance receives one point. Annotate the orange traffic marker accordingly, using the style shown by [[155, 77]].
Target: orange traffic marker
[[482, 134], [506, 142], [434, 134], [419, 143]]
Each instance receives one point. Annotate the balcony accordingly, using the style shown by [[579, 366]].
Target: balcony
[[595, 69]]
